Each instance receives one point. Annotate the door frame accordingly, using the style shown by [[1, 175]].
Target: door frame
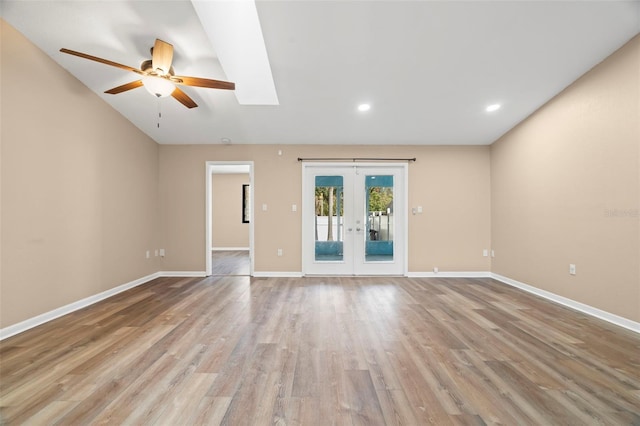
[[209, 167], [402, 229]]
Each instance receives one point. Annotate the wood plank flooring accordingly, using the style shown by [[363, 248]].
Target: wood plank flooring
[[322, 351], [230, 262]]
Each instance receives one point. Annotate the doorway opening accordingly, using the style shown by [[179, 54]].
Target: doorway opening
[[229, 218]]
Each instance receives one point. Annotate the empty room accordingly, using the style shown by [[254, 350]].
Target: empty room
[[319, 212]]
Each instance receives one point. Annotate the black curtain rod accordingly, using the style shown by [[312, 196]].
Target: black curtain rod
[[356, 159]]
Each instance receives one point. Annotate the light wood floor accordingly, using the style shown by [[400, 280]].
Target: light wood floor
[[322, 351]]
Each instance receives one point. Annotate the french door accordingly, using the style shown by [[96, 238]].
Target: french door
[[354, 219]]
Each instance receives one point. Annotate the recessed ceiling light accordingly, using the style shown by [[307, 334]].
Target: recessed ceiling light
[[364, 107], [493, 107]]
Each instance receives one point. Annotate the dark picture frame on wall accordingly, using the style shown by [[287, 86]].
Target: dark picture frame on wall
[[246, 199]]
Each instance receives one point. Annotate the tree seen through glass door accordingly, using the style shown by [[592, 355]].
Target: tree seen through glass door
[[329, 226]]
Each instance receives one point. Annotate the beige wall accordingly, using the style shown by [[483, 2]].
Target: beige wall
[[565, 189], [227, 228], [451, 183], [79, 188]]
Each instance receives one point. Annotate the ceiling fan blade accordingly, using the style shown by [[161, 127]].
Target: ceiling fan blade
[[183, 98], [203, 82], [124, 87], [101, 60], [162, 57]]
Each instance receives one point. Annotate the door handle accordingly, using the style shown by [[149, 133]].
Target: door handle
[[358, 229]]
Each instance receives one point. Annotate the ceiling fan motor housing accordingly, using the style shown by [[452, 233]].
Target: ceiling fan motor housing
[[147, 68]]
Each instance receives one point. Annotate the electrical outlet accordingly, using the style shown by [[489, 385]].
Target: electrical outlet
[[435, 270], [162, 252], [485, 252], [279, 252], [572, 269], [294, 208]]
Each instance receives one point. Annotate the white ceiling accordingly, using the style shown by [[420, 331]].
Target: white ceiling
[[428, 68]]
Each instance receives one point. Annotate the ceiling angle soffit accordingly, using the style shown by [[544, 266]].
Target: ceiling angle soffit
[[233, 27]]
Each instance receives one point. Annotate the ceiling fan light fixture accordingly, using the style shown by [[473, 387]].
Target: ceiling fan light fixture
[[158, 86]]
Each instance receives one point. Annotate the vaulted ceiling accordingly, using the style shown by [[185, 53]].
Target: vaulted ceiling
[[428, 69]]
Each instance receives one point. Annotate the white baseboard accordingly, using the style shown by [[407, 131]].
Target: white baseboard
[[450, 274], [229, 248], [71, 307], [182, 274], [270, 274], [589, 310]]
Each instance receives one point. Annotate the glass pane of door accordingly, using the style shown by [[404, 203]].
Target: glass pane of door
[[378, 194], [329, 218]]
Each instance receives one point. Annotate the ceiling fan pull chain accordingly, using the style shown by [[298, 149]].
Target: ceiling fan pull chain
[[159, 113]]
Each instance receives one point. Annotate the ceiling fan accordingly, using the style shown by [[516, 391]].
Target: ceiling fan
[[158, 76]]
